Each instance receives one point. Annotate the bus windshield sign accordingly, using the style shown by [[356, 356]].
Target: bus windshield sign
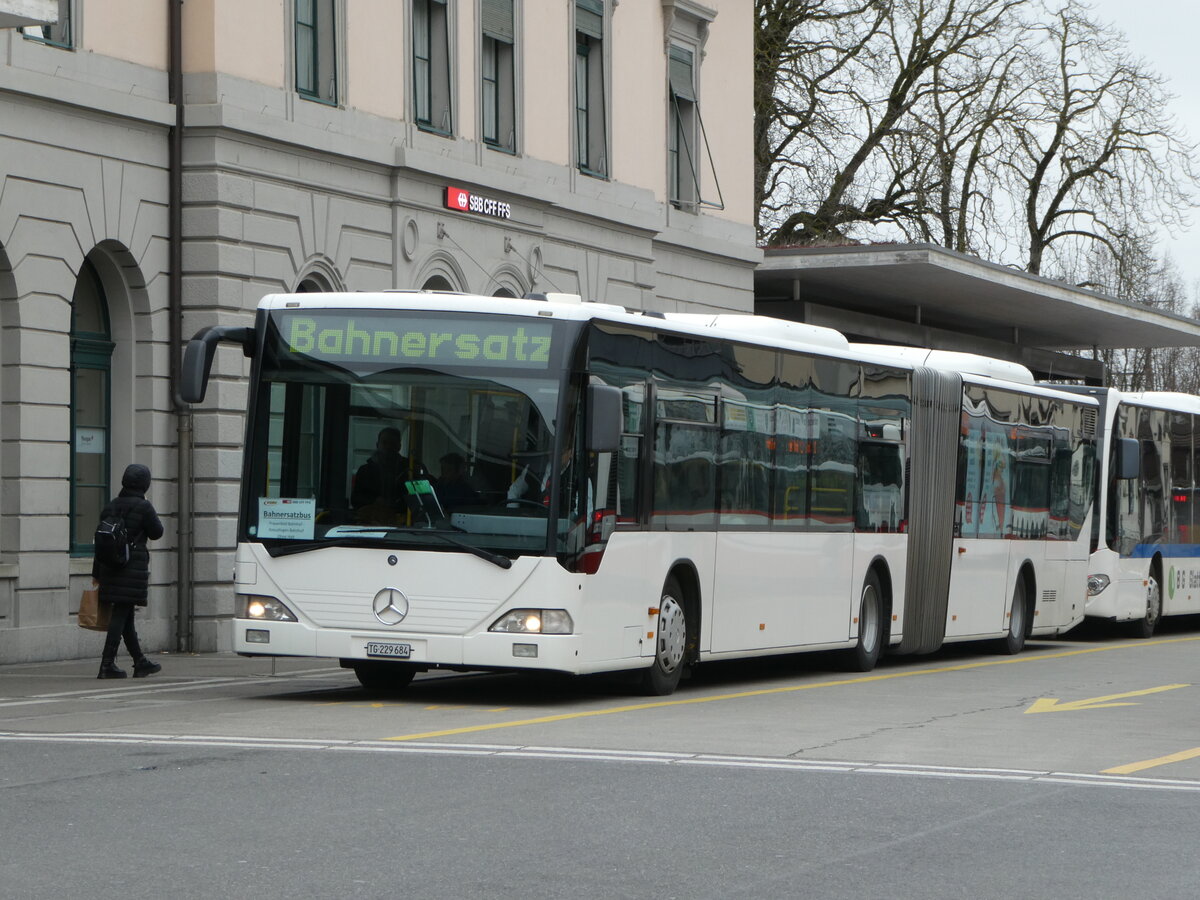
[[357, 336]]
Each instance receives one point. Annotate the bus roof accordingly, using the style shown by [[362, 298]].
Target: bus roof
[[761, 330], [751, 328], [1169, 400], [953, 361]]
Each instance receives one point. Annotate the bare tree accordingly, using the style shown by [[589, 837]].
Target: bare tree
[[853, 157], [1098, 150], [808, 56], [969, 118], [1129, 269], [983, 125]]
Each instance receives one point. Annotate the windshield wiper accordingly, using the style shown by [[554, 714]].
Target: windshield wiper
[[495, 558], [370, 537]]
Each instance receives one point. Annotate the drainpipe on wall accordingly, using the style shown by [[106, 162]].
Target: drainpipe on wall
[[183, 413]]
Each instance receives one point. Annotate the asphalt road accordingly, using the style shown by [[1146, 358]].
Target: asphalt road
[[1071, 770]]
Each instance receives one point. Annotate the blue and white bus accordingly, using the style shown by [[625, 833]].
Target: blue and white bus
[[587, 488], [1146, 532]]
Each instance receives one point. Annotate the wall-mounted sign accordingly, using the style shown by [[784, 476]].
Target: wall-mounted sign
[[462, 200]]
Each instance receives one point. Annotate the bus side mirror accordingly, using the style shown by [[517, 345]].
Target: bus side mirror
[[1129, 458], [605, 418], [198, 357]]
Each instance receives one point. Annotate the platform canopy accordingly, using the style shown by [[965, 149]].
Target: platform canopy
[[925, 295]]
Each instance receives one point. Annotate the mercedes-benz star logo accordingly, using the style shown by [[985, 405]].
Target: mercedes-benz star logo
[[390, 606]]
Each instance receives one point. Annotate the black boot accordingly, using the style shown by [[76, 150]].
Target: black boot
[[109, 670], [145, 666]]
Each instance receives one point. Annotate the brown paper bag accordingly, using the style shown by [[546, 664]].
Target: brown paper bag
[[93, 614]]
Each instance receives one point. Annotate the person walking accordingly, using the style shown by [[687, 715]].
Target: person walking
[[127, 587]]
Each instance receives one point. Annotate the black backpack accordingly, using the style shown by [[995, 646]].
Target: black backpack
[[112, 541]]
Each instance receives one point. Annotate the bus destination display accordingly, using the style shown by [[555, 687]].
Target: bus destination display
[[362, 338]]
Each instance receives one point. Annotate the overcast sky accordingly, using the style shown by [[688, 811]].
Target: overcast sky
[[1166, 33]]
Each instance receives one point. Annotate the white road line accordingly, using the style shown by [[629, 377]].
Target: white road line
[[799, 766], [124, 691]]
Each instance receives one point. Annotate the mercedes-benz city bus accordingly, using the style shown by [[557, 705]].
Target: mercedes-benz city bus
[[451, 481], [1146, 531]]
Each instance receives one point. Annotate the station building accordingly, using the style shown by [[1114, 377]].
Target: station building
[[163, 165]]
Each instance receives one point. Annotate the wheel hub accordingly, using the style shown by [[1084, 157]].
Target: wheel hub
[[1153, 602], [672, 632], [869, 618]]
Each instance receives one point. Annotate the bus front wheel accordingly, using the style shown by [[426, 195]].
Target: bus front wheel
[[383, 676], [670, 643], [1144, 627]]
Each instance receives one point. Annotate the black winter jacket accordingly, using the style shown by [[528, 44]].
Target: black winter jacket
[[131, 583]]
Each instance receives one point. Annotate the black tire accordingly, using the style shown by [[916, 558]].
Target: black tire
[[1145, 626], [672, 637], [1018, 622], [383, 676], [871, 630]]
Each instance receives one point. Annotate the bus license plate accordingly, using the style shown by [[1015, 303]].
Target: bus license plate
[[389, 650]]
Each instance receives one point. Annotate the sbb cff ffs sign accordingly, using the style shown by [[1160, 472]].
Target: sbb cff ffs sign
[[462, 200]]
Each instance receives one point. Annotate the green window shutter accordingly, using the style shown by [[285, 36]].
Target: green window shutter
[[589, 18], [682, 82], [497, 19]]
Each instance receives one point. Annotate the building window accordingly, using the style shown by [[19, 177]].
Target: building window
[[431, 66], [498, 101], [316, 57], [56, 35], [688, 153], [681, 147], [590, 111], [91, 355]]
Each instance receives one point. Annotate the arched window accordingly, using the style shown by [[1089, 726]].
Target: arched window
[[437, 283], [91, 363]]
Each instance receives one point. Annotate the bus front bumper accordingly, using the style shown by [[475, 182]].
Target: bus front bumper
[[484, 650]]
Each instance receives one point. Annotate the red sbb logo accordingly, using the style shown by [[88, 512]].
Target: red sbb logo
[[457, 198], [462, 200]]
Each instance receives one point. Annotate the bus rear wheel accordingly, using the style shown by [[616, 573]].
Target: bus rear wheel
[[670, 643], [870, 627], [383, 676], [1014, 641], [1144, 627]]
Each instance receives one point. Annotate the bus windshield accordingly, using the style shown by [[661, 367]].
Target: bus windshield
[[413, 429]]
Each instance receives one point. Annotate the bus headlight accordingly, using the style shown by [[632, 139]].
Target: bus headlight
[[263, 609], [1097, 583], [535, 621]]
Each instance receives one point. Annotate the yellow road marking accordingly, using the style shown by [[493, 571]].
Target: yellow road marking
[[864, 679], [1052, 704], [1151, 763]]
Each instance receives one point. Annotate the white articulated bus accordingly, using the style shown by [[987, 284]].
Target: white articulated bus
[[1146, 530], [451, 481]]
